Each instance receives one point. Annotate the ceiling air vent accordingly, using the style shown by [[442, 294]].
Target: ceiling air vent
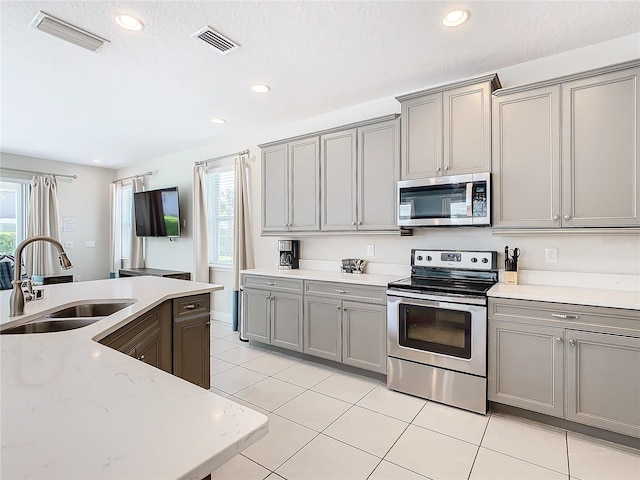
[[216, 40], [53, 26]]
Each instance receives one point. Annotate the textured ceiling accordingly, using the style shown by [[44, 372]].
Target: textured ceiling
[[152, 93]]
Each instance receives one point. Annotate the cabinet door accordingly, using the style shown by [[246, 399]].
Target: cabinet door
[[364, 336], [322, 327], [526, 159], [147, 338], [256, 306], [275, 199], [286, 320], [338, 173], [603, 381], [467, 129], [191, 341], [378, 172], [304, 183], [422, 137], [600, 150], [526, 367]]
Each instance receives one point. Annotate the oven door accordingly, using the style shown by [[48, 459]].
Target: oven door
[[438, 331]]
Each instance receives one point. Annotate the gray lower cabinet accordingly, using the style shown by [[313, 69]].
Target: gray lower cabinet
[[346, 323], [526, 366], [575, 362], [271, 316], [603, 381], [323, 327]]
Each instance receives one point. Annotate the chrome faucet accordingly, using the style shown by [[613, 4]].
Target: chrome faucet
[[16, 306]]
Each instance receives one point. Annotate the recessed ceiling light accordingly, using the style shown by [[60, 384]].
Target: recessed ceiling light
[[128, 22], [218, 120], [260, 88], [455, 18]]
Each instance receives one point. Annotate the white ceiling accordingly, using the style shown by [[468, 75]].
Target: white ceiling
[[151, 93]]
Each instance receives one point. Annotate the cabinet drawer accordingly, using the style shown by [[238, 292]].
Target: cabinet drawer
[[347, 291], [580, 317], [188, 306], [273, 283]]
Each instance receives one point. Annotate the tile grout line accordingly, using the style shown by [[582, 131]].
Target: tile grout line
[[566, 443], [479, 445]]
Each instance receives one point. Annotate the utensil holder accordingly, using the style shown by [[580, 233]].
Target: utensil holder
[[511, 278]]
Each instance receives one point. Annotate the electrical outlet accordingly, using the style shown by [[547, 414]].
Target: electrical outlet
[[371, 250], [551, 255], [68, 244], [90, 244]]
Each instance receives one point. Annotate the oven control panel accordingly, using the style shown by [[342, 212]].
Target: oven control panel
[[459, 259]]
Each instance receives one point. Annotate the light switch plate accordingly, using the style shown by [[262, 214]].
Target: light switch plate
[[90, 244], [68, 244], [551, 255], [371, 250]]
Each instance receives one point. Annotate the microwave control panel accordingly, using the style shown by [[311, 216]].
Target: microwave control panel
[[480, 199]]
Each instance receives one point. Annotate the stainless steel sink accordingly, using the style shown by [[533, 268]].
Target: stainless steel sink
[[89, 310], [47, 326], [68, 318]]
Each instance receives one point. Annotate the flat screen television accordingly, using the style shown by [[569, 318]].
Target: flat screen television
[[157, 213]]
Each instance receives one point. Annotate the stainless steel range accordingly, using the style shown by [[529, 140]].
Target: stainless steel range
[[437, 327]]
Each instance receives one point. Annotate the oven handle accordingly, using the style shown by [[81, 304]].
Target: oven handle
[[436, 299]]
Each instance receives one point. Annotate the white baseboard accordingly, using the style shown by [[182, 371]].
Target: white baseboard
[[222, 316]]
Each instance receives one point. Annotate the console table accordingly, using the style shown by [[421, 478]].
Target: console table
[[154, 272]]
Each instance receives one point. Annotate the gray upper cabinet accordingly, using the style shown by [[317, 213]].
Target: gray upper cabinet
[[377, 173], [275, 185], [447, 130], [526, 145], [338, 174], [601, 172], [290, 186], [565, 152]]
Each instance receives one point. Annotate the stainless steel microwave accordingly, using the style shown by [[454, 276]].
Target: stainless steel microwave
[[445, 201]]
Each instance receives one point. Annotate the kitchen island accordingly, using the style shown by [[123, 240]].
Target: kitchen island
[[74, 408]]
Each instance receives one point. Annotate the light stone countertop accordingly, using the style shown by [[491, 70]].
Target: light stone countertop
[[73, 408], [377, 280], [597, 297]]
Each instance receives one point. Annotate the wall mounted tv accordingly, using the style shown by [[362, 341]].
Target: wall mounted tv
[[157, 213]]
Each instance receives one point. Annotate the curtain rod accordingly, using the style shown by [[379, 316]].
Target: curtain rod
[[204, 162], [37, 172], [132, 176]]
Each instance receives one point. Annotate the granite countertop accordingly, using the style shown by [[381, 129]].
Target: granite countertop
[[73, 408], [377, 280]]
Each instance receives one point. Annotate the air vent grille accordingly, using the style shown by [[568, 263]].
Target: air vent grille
[[65, 31], [218, 41]]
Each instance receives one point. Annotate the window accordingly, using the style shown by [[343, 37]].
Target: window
[[126, 221], [220, 204], [14, 205]]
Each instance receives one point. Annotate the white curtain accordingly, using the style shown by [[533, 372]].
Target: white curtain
[[242, 233], [200, 228], [42, 257], [115, 254], [136, 256]]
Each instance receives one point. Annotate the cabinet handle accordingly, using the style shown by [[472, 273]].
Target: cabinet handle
[[271, 283], [342, 291], [562, 315], [337, 307], [572, 343], [285, 225], [447, 167], [208, 323], [359, 223], [438, 169], [267, 297], [558, 339], [556, 218], [191, 306], [353, 223], [141, 357], [344, 309], [567, 217]]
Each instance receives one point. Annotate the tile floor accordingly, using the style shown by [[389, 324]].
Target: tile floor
[[325, 423]]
